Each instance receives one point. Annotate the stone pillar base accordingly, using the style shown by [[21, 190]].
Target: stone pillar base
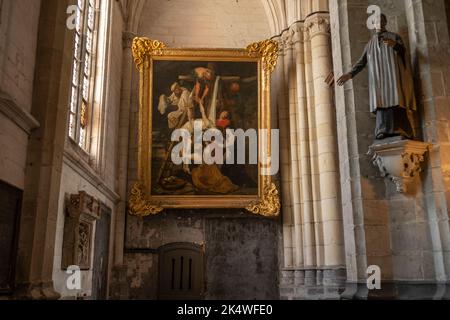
[[36, 291], [312, 284], [119, 287], [397, 291]]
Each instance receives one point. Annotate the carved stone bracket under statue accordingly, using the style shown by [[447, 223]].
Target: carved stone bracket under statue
[[82, 211], [399, 160]]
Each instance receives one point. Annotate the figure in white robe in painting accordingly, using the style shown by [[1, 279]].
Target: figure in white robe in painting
[[182, 98]]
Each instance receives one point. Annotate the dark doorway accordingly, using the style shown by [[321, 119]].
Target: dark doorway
[[101, 254], [11, 201], [447, 10], [181, 272]]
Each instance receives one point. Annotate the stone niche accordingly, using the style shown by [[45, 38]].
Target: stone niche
[[399, 160], [82, 210]]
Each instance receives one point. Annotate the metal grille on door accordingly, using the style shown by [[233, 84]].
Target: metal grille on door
[[181, 271]]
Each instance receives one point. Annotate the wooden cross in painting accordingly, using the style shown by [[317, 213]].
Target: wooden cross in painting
[[209, 105]]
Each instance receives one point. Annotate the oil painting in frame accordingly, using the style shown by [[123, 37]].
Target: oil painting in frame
[[201, 89]]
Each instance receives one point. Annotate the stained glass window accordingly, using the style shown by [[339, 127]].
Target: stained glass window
[[81, 98]]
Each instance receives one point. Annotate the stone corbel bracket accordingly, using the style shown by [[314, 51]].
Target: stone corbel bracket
[[82, 211], [83, 204], [399, 160]]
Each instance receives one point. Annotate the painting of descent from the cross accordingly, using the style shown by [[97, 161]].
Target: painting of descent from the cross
[[220, 95]]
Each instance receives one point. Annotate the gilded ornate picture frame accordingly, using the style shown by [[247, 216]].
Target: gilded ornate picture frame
[[179, 87]]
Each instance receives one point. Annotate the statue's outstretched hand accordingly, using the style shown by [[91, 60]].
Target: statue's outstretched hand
[[329, 80], [342, 80]]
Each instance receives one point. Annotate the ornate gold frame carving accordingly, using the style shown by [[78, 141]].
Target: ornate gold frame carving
[[145, 51]]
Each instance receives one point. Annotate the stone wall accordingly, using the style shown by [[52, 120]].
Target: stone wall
[[242, 251], [36, 56], [98, 177], [214, 23], [430, 51], [241, 258], [17, 61], [18, 49], [359, 178], [382, 227]]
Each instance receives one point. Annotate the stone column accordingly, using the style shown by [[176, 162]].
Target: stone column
[[319, 29], [302, 132], [127, 69], [127, 25], [312, 152], [290, 74], [284, 158], [346, 98], [45, 154], [119, 270]]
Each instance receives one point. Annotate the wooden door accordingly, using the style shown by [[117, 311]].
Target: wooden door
[[181, 272]]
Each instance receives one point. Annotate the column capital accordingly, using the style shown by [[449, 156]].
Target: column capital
[[318, 24], [38, 290], [286, 40], [297, 31]]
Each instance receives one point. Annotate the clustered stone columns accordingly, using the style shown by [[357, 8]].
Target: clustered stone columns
[[283, 118], [312, 218], [319, 29]]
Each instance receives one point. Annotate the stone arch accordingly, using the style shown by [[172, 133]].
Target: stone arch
[[275, 14], [284, 13]]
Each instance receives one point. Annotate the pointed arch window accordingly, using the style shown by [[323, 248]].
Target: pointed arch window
[[83, 73]]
